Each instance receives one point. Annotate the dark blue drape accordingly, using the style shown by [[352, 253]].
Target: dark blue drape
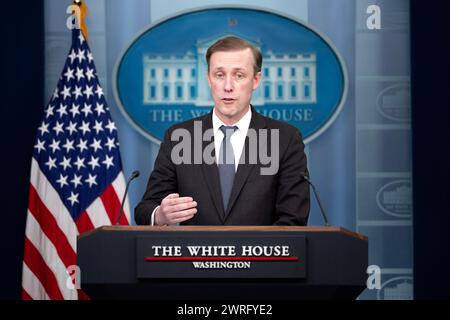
[[430, 76], [21, 99]]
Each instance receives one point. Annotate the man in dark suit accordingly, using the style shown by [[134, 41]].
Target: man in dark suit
[[232, 166]]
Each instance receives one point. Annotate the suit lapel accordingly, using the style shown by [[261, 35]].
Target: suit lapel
[[211, 173], [244, 168]]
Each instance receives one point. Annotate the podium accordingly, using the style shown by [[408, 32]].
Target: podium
[[222, 262]]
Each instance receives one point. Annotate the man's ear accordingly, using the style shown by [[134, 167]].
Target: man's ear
[[257, 80]]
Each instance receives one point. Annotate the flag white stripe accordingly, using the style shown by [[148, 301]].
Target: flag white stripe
[[49, 254], [32, 285], [52, 201], [119, 186], [97, 214]]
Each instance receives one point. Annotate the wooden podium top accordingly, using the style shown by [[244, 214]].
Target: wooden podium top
[[225, 228]]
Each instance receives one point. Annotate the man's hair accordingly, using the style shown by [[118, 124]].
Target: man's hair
[[235, 44]]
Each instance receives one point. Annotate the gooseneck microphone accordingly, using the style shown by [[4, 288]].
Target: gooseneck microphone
[[134, 175], [322, 210]]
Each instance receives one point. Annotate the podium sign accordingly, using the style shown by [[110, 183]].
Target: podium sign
[[223, 255], [222, 262]]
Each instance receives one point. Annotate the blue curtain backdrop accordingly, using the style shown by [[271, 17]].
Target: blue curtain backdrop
[[361, 164]]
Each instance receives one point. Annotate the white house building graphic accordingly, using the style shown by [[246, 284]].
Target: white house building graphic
[[171, 79]]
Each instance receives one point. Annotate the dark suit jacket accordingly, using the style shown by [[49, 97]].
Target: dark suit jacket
[[280, 199]]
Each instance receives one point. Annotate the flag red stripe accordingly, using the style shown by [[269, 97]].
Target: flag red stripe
[[50, 227], [111, 203], [84, 223], [25, 295], [82, 295], [37, 265]]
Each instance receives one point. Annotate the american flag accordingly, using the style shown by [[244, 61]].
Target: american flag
[[76, 181]]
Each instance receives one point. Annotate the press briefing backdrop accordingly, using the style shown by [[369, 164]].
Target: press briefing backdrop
[[360, 157], [359, 153]]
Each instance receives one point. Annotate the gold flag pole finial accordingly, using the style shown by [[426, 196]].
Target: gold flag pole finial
[[83, 14]]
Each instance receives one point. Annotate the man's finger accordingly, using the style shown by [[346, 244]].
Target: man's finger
[[183, 206], [176, 201], [182, 213]]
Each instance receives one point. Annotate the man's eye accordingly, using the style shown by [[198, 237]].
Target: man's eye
[[239, 76], [219, 75]]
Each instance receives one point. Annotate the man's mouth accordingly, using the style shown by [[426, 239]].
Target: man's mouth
[[228, 100]]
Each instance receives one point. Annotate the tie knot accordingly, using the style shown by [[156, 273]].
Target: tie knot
[[228, 130]]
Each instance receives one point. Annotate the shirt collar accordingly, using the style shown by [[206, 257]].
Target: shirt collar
[[242, 125]]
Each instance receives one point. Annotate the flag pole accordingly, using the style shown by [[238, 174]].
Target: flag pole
[[83, 14]]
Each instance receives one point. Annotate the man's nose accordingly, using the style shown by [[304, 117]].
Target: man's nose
[[228, 85]]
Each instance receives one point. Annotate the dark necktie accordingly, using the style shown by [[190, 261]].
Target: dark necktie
[[226, 164]]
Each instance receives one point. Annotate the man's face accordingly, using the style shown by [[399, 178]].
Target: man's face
[[232, 80]]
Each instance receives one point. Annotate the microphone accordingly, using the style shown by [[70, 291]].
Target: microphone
[[322, 210], [134, 175]]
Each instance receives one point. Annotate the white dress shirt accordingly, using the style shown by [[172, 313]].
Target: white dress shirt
[[237, 138]]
